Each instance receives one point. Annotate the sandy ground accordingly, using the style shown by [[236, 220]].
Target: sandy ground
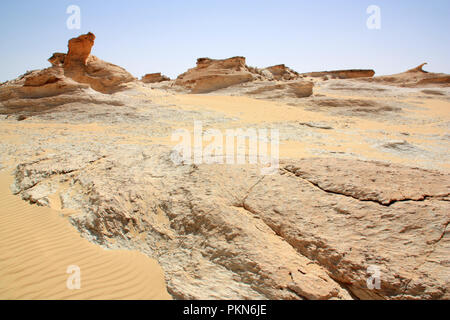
[[37, 246]]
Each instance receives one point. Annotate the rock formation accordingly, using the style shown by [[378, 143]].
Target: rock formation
[[281, 72], [154, 77], [65, 81], [224, 231], [210, 75], [295, 89], [312, 230], [416, 77], [79, 51], [83, 67], [342, 74]]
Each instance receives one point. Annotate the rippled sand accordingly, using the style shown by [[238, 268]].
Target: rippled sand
[[37, 246]]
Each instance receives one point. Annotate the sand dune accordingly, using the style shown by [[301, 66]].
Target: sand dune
[[37, 246]]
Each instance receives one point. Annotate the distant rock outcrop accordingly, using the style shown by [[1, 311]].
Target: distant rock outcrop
[[79, 51], [294, 89], [416, 77], [70, 79], [210, 75], [342, 74], [154, 77], [281, 72], [72, 73], [83, 67]]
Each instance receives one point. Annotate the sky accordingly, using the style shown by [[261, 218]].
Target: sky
[[146, 36]]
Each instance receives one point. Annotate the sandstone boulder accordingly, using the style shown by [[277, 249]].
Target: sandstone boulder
[[66, 81], [210, 75], [313, 230], [154, 77], [342, 74], [79, 51], [83, 67], [416, 77]]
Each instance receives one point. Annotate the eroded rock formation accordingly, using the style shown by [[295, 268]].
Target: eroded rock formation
[[342, 74], [416, 77], [83, 67], [154, 77], [210, 75], [280, 72], [225, 231], [69, 79], [65, 81]]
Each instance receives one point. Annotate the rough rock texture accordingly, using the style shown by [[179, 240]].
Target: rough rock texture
[[225, 231], [154, 77], [79, 51], [281, 72], [310, 231], [101, 76], [342, 74], [82, 67], [57, 59], [416, 77], [296, 89], [70, 79], [210, 75]]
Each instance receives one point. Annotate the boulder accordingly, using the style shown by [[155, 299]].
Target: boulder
[[210, 75]]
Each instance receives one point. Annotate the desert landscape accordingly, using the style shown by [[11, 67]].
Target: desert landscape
[[88, 178]]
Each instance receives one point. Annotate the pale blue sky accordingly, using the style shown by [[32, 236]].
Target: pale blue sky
[[146, 36]]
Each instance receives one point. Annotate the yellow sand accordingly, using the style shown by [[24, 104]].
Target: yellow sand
[[37, 245]]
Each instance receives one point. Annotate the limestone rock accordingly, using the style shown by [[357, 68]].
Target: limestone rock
[[65, 81], [416, 77], [57, 59], [210, 75], [79, 51], [281, 72], [296, 89], [310, 231], [154, 77], [342, 74]]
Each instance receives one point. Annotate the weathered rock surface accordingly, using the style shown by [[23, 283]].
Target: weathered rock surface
[[154, 77], [210, 75], [79, 51], [83, 67], [69, 79], [296, 89], [416, 77], [342, 74], [42, 90], [224, 231], [281, 72]]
